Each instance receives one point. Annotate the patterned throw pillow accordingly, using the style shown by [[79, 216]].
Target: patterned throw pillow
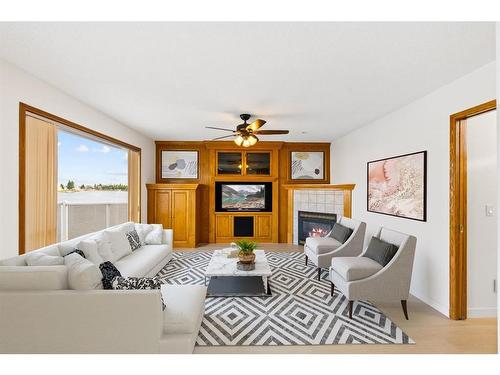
[[109, 272], [133, 240], [133, 283], [79, 252]]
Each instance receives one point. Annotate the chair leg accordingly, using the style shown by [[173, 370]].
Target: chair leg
[[350, 309], [332, 288], [306, 260], [319, 274], [405, 308]]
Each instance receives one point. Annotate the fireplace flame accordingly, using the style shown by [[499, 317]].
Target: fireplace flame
[[318, 232]]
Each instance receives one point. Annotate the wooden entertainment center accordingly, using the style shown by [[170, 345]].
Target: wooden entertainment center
[[189, 205]]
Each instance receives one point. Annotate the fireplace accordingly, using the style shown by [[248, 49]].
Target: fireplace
[[314, 224]]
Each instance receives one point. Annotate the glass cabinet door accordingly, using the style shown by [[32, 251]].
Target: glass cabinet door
[[258, 163], [229, 163]]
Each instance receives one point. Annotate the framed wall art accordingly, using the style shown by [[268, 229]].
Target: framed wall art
[[307, 165], [179, 164], [397, 186]]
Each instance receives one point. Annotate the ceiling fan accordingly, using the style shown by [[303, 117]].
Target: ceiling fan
[[246, 134]]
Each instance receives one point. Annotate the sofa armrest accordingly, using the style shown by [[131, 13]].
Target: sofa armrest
[[69, 321], [168, 237], [33, 277]]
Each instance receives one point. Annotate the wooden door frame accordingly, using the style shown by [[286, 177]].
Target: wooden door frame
[[458, 208]]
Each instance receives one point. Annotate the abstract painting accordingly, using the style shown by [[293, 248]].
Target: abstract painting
[[179, 164], [307, 165], [397, 186]]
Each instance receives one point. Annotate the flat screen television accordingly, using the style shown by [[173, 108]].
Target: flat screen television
[[243, 196]]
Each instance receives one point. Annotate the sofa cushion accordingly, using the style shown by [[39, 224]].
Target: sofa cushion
[[33, 278], [67, 247], [143, 230], [322, 245], [104, 248], [141, 261], [380, 251], [117, 238], [82, 273], [90, 249], [155, 236], [355, 268], [41, 259], [340, 233], [79, 252], [184, 309]]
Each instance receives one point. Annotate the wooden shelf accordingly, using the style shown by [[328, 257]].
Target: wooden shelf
[[274, 226]]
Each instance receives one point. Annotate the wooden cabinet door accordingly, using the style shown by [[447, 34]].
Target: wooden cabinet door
[[263, 226], [223, 227], [180, 217], [162, 209]]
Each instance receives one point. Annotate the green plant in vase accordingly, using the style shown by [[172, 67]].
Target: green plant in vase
[[246, 254]]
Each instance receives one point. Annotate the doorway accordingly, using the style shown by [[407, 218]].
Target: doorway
[[459, 203]]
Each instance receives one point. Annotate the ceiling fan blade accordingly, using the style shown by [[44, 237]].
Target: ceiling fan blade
[[226, 136], [256, 124], [212, 127], [271, 132]]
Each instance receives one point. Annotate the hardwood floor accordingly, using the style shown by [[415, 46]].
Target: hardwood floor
[[433, 332]]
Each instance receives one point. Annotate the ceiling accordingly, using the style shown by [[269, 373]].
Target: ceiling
[[320, 80]]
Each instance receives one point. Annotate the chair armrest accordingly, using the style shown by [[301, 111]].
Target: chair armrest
[[353, 247], [168, 237], [391, 282]]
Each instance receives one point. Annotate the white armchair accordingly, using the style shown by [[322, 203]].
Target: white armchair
[[321, 250], [361, 278]]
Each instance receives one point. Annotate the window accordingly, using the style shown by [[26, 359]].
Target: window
[[73, 181], [92, 187]]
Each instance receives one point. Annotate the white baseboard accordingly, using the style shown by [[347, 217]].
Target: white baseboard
[[445, 310], [482, 312]]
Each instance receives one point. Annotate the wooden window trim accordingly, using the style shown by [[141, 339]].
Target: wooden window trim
[[24, 109], [458, 208]]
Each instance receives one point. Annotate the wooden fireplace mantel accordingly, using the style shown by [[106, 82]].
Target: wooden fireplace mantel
[[290, 188]]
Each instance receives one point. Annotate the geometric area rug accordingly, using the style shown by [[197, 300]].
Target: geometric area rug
[[300, 311]]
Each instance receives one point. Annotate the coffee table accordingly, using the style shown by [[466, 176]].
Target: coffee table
[[225, 280]]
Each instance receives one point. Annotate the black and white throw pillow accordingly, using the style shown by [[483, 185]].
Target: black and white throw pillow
[[109, 272], [134, 283], [133, 240], [143, 283], [79, 252]]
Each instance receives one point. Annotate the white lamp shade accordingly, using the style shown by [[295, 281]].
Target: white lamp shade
[[239, 140]]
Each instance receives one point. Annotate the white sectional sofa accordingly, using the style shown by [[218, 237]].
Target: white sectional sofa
[[39, 313]]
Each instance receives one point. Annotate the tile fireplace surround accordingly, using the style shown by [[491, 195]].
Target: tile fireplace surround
[[316, 200]]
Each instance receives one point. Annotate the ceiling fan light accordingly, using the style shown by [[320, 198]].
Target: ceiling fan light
[[246, 142], [239, 140], [253, 140]]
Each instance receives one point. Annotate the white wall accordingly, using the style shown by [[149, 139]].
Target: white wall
[[498, 168], [421, 125], [481, 228], [18, 86]]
